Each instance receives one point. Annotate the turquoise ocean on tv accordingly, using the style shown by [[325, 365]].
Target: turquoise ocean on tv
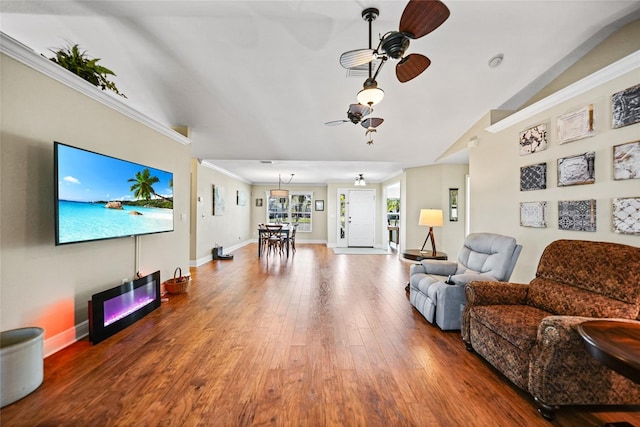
[[81, 221]]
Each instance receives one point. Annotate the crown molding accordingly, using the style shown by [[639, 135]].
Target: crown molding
[[23, 54], [608, 73]]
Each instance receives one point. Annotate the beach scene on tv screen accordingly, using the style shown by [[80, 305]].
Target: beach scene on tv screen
[[101, 197]]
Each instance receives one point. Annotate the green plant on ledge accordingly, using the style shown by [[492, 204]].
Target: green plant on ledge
[[79, 63]]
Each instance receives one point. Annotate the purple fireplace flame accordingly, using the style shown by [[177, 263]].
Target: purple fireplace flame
[[123, 305], [113, 310]]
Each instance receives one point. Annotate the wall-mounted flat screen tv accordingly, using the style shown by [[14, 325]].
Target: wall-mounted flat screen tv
[[101, 197]]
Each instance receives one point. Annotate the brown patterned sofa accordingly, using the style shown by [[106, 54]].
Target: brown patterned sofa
[[528, 332]]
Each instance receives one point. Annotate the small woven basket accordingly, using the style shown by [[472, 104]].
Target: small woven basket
[[179, 284]]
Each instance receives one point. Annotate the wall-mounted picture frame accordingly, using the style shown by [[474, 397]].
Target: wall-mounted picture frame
[[533, 177], [575, 125], [626, 161], [625, 213], [453, 204], [625, 107], [533, 139], [533, 214], [577, 215], [241, 198], [577, 170], [218, 200], [258, 203], [319, 205]]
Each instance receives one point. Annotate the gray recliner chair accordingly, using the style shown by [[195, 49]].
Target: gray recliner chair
[[436, 288]]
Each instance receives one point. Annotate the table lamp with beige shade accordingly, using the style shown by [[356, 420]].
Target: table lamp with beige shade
[[430, 218]]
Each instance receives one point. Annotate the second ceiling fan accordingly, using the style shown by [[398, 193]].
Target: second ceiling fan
[[419, 18]]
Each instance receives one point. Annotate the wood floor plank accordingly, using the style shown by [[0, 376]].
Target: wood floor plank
[[316, 339]]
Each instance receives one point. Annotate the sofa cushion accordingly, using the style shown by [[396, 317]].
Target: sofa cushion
[[517, 324]]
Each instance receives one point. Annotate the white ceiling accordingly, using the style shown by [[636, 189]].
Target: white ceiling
[[257, 80]]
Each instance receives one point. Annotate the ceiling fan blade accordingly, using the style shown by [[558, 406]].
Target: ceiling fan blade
[[359, 109], [421, 17], [354, 58], [336, 122], [373, 122], [411, 66]]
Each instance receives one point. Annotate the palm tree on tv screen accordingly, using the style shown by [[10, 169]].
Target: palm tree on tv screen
[[143, 186]]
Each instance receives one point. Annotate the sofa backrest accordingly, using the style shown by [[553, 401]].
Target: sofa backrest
[[583, 278], [487, 253]]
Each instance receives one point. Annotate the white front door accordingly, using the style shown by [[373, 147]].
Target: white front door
[[361, 208]]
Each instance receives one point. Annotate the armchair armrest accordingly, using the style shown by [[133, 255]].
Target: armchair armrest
[[560, 360], [463, 279], [491, 293], [439, 268]]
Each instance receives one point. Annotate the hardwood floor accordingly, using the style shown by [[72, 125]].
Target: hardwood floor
[[317, 339]]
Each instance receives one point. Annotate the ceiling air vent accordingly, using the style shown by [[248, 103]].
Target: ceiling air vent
[[266, 162]]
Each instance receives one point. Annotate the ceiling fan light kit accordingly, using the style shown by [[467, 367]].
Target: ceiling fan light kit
[[370, 94]]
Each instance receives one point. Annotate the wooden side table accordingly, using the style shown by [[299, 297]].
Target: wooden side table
[[614, 344], [417, 255]]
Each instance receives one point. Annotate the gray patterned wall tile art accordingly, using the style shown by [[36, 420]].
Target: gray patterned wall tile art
[[533, 177], [577, 215], [626, 215], [625, 107], [575, 170]]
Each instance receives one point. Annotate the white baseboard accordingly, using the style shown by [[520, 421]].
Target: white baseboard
[[66, 338]]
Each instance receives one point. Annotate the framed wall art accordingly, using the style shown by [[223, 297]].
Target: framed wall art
[[577, 215], [626, 160], [575, 125], [533, 177], [319, 205], [625, 107], [218, 200], [576, 170], [533, 214], [453, 204], [241, 198], [258, 202], [626, 215], [533, 139]]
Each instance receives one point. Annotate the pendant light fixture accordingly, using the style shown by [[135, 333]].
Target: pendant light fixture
[[279, 192], [360, 182]]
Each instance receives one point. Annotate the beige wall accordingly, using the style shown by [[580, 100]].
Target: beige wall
[[494, 168], [620, 44], [427, 187], [227, 230], [47, 285]]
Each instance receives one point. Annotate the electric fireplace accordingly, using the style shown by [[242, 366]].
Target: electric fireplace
[[113, 310]]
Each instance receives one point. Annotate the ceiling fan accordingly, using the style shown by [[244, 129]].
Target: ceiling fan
[[419, 18], [357, 113]]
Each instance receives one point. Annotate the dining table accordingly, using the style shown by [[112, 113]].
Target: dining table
[[263, 232]]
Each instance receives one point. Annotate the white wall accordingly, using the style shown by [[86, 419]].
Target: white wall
[[495, 177], [47, 285]]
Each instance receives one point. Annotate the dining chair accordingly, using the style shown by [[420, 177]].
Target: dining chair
[[292, 237], [274, 239]]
